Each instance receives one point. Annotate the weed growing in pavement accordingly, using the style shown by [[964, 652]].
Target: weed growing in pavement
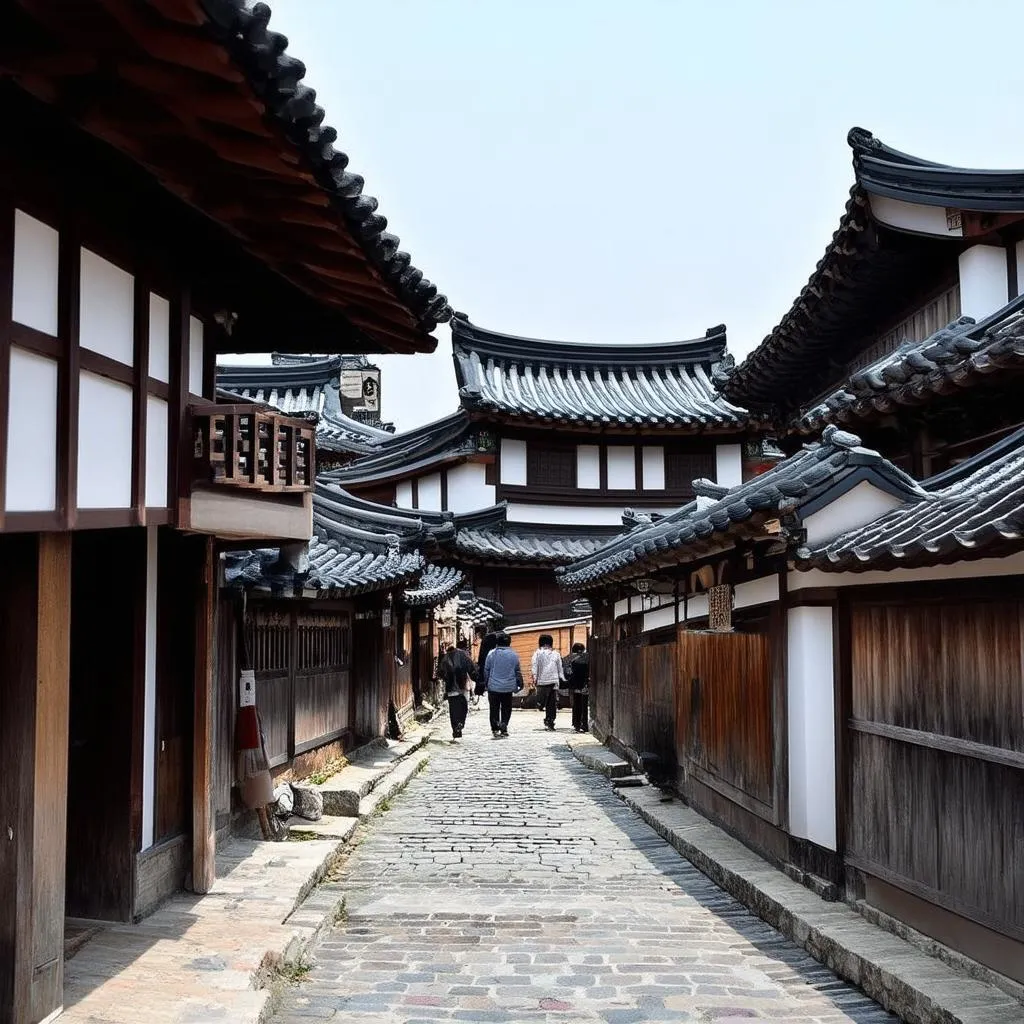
[[321, 775], [301, 836], [295, 971]]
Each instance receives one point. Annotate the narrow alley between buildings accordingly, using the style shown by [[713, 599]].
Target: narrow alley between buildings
[[508, 883]]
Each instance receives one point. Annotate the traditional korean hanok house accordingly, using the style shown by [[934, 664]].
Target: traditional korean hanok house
[[828, 659], [899, 332], [168, 191], [691, 634], [312, 388], [552, 442], [329, 629]]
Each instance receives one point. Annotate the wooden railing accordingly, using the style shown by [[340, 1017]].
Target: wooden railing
[[251, 446]]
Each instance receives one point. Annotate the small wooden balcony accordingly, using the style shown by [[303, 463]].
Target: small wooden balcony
[[252, 473], [252, 446]]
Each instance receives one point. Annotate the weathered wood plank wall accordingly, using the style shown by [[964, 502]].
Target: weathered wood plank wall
[[937, 754], [724, 709]]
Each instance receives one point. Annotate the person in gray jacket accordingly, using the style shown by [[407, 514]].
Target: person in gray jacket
[[504, 676]]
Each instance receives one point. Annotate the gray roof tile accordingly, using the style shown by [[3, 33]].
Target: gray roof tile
[[666, 385], [975, 509], [961, 355], [714, 517]]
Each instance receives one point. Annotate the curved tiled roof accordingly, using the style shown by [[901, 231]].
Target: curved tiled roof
[[356, 547], [832, 465], [400, 455], [975, 509], [437, 584], [487, 537], [959, 356], [884, 171], [277, 79], [667, 385], [867, 270]]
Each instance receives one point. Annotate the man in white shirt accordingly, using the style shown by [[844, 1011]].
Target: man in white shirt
[[546, 668]]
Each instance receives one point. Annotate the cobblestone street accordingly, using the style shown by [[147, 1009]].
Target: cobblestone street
[[508, 883]]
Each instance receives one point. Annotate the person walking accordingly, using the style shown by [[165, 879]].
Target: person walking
[[547, 672], [503, 676], [457, 670], [579, 687]]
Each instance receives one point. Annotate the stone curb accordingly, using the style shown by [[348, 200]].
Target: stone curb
[[902, 978], [343, 792]]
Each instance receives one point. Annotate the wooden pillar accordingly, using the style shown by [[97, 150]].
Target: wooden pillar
[[203, 823], [35, 614]]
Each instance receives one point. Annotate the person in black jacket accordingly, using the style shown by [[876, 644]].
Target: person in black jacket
[[458, 672], [488, 641], [578, 684]]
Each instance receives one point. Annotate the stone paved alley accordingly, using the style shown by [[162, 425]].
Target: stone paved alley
[[508, 883]]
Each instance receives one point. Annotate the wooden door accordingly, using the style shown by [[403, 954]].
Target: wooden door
[[107, 666], [179, 563], [724, 713]]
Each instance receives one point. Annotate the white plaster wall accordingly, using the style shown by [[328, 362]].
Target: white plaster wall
[[654, 467], [812, 746], [159, 338], [983, 282], [32, 433], [468, 488], [729, 465], [513, 462], [658, 619], [156, 452], [857, 507], [429, 491], [149, 697], [584, 515], [1020, 268], [621, 468], [696, 607], [195, 355], [760, 591], [925, 220], [36, 254], [403, 494], [622, 608], [106, 321], [104, 443], [1013, 565], [588, 466]]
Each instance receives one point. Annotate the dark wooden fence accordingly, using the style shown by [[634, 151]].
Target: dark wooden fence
[[302, 659], [936, 744], [644, 711]]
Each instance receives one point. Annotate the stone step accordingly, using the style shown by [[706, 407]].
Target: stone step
[[343, 791]]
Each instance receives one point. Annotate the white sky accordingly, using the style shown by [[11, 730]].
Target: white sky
[[600, 170]]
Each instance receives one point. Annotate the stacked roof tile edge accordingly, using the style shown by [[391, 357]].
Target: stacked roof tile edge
[[859, 241], [663, 385], [952, 358], [974, 510], [276, 77], [719, 515]]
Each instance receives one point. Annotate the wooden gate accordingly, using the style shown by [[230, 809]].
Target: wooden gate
[[936, 741], [643, 698], [302, 658], [723, 715]]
